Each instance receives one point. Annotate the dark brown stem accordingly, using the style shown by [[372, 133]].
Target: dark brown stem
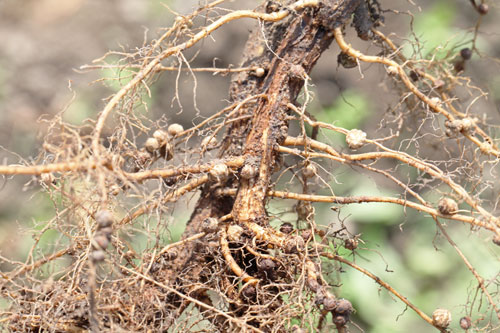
[[287, 51]]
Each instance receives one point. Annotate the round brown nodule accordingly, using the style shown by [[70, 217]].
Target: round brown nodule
[[441, 318]]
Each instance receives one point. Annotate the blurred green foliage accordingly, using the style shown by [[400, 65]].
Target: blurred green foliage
[[348, 111], [401, 246], [434, 26], [436, 35]]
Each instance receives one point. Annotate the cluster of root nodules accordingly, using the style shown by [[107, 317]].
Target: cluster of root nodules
[[120, 190], [110, 267], [116, 268]]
